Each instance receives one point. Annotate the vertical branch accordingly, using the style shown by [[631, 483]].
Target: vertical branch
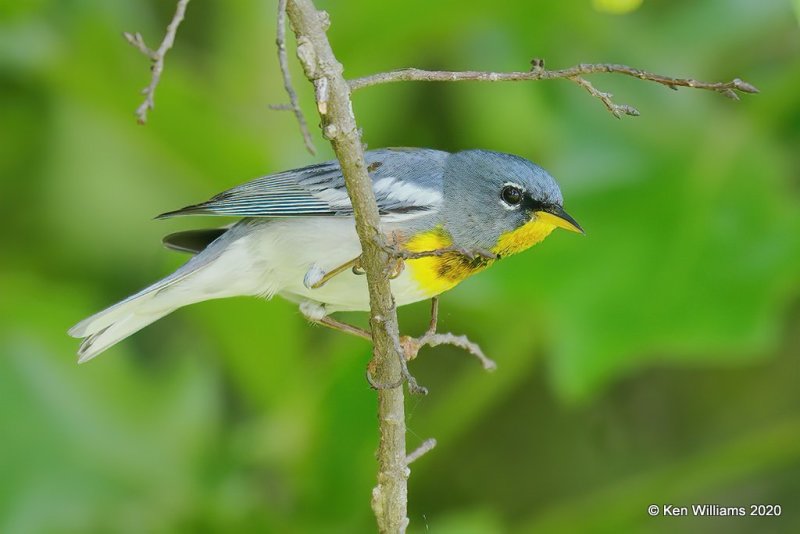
[[389, 497]]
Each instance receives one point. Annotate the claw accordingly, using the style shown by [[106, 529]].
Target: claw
[[397, 269]]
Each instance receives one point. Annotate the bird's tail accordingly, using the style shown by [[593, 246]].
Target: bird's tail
[[209, 275], [112, 325]]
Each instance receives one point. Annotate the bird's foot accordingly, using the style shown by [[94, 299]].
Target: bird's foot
[[317, 314]]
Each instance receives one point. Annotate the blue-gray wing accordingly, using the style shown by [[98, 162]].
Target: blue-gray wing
[[405, 181]]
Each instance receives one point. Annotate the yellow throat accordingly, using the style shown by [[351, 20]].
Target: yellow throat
[[437, 274]]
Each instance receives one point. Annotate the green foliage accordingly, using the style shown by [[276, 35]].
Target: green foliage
[[616, 6], [653, 360]]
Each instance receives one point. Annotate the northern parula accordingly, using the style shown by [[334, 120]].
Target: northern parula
[[297, 230]]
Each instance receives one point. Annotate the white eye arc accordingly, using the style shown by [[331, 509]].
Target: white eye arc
[[512, 195]]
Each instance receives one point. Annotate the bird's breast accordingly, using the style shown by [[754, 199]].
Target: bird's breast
[[523, 238], [437, 274]]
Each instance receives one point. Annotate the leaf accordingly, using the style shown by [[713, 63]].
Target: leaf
[[693, 262], [97, 445]]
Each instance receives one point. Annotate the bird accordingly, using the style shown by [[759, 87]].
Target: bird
[[449, 215]]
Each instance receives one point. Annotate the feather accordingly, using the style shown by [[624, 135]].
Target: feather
[[192, 241], [405, 181]]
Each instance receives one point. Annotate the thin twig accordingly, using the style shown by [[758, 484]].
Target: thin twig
[[574, 74], [156, 57], [618, 110], [293, 105], [137, 42], [462, 342], [411, 381], [426, 447], [405, 375], [412, 345], [471, 254]]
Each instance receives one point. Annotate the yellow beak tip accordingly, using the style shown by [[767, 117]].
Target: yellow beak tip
[[562, 220]]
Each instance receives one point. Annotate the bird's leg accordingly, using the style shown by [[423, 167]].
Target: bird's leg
[[316, 277], [330, 322], [433, 325], [316, 313], [406, 376]]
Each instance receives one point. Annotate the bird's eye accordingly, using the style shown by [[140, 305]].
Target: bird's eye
[[511, 195]]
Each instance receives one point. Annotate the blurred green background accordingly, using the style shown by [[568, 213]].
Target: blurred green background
[[653, 361]]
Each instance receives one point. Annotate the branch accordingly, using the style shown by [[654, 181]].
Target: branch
[[403, 254], [573, 74], [156, 57], [293, 105], [426, 447], [431, 338], [389, 497], [618, 110]]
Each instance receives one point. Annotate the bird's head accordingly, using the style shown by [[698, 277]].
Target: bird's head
[[501, 202]]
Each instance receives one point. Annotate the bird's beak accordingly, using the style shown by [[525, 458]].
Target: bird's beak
[[556, 215]]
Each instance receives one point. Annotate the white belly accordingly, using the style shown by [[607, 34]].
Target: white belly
[[283, 251]]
